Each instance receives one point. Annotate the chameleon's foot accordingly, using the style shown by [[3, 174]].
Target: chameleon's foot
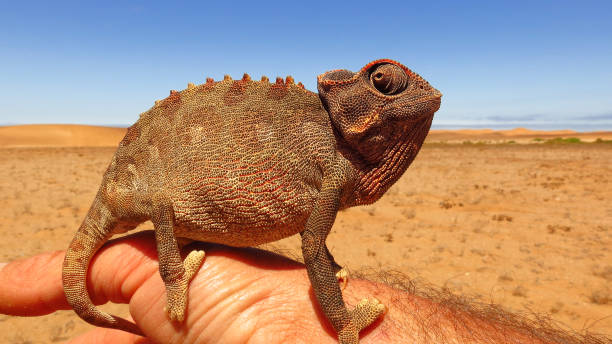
[[342, 277], [177, 302], [365, 313], [177, 292], [192, 263]]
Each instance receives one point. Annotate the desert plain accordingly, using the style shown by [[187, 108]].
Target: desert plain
[[518, 218]]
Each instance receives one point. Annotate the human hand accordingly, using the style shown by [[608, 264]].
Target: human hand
[[238, 296], [244, 295]]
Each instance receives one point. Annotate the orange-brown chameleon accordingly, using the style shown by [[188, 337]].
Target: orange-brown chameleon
[[243, 162]]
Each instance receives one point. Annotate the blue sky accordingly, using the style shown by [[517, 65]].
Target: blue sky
[[535, 64]]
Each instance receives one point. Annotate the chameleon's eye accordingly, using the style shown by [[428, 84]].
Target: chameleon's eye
[[389, 79]]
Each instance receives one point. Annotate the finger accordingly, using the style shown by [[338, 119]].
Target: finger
[[103, 336], [244, 294], [121, 267], [33, 286]]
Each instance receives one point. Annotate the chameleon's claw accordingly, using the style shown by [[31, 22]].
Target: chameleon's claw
[[373, 305], [174, 316], [366, 312], [342, 277]]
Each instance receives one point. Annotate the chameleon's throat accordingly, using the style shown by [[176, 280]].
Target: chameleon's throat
[[386, 163]]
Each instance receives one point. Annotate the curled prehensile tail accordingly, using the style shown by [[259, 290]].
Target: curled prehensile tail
[[95, 230]]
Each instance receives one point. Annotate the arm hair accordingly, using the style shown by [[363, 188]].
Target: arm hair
[[440, 316]]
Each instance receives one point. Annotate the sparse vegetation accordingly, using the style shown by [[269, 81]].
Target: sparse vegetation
[[519, 291], [388, 237], [537, 140], [601, 296], [562, 140], [408, 213], [605, 273], [468, 142], [502, 217], [447, 204], [556, 307], [600, 140], [558, 228]]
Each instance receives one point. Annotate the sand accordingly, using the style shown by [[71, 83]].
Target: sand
[[527, 226], [518, 135], [60, 135]]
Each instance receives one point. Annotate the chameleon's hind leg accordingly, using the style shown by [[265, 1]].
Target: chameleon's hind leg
[[175, 273]]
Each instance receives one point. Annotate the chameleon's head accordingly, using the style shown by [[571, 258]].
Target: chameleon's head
[[383, 93], [383, 108]]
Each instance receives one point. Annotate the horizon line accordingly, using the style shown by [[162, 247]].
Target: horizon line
[[454, 126]]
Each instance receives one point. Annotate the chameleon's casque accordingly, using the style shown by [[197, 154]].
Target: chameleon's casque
[[243, 162]]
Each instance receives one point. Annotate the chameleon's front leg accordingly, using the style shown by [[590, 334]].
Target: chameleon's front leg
[[322, 269]]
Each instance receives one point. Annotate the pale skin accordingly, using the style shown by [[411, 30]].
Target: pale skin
[[237, 296]]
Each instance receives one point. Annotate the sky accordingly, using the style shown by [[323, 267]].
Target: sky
[[499, 64]]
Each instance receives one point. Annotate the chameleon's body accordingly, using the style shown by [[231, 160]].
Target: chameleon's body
[[242, 162]]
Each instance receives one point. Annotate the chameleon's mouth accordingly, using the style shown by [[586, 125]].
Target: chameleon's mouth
[[431, 104], [435, 102]]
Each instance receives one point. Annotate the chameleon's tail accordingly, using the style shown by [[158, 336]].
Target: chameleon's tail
[[93, 233]]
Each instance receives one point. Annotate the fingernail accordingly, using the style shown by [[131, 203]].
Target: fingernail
[[2, 265]]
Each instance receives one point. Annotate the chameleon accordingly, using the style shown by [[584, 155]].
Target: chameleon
[[245, 162]]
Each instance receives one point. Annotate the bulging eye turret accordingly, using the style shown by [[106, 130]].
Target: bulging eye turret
[[389, 79]]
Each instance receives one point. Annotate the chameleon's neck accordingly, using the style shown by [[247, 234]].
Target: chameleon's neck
[[380, 165]]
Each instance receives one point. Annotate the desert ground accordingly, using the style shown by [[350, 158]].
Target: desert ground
[[518, 218]]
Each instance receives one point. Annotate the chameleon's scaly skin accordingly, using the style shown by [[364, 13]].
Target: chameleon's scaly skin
[[242, 162]]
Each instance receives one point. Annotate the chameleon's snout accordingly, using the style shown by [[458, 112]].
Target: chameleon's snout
[[437, 93], [437, 100]]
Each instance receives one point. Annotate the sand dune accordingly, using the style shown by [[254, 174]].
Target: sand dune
[[67, 135], [60, 135]]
